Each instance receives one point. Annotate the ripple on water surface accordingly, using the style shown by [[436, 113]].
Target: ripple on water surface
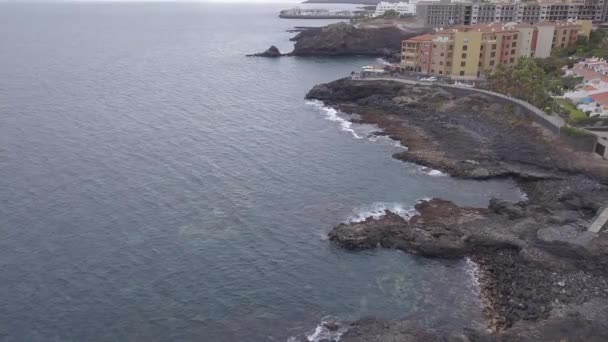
[[158, 185]]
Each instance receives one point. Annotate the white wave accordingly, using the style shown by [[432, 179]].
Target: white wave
[[472, 270], [522, 194], [398, 144], [332, 115], [382, 61], [330, 329], [432, 172], [377, 210], [377, 138]]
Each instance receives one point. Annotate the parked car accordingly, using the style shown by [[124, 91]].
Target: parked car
[[429, 79]]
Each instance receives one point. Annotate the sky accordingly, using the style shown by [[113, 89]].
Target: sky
[[226, 1]]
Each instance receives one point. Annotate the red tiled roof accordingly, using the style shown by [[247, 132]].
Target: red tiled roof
[[589, 74], [486, 27], [589, 88], [601, 98], [424, 37]]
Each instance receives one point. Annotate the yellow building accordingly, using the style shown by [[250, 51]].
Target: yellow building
[[586, 28], [468, 52], [472, 51]]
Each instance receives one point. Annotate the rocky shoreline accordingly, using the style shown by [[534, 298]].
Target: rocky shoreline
[[543, 276]]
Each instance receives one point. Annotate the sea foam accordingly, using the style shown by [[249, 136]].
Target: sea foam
[[332, 115], [378, 138], [472, 270], [432, 172], [324, 333], [330, 329], [377, 210]]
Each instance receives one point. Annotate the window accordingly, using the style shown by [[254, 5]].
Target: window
[[440, 72], [491, 62], [514, 44], [464, 55], [450, 47], [441, 54], [515, 36], [493, 46], [434, 46], [493, 54], [513, 51], [481, 55], [465, 47], [512, 60], [441, 63], [481, 48], [463, 64], [450, 55], [461, 72], [448, 63], [432, 71]]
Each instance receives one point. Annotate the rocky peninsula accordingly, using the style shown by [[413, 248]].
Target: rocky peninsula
[[543, 276], [377, 38]]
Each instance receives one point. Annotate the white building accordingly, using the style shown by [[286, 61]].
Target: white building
[[401, 7]]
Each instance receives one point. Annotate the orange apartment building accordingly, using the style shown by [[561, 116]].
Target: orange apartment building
[[469, 52]]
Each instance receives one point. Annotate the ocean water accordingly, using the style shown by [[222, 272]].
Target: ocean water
[[157, 185]]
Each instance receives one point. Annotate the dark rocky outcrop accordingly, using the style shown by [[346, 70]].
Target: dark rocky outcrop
[[272, 51], [373, 330], [344, 39], [580, 323], [382, 39], [543, 276], [459, 132], [530, 268]]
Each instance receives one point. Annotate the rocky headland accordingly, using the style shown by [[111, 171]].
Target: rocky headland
[[543, 276], [377, 39]]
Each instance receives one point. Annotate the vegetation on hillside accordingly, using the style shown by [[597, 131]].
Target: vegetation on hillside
[[534, 82], [574, 114], [527, 81], [391, 14], [595, 46]]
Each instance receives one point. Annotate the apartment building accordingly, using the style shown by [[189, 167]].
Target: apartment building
[[467, 13], [527, 41], [565, 34], [416, 53], [472, 51], [437, 14], [465, 52]]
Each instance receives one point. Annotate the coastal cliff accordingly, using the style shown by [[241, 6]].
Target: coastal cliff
[[344, 39], [376, 38], [543, 276]]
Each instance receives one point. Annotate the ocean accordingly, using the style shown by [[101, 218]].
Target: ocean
[[158, 185]]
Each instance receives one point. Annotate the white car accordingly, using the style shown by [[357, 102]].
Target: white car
[[429, 79]]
